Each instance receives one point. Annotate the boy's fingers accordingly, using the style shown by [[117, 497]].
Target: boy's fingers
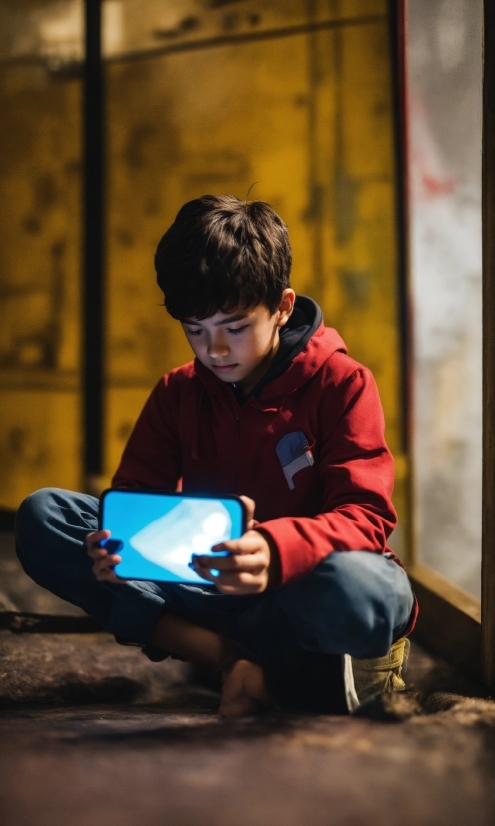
[[233, 579], [96, 552], [244, 545], [103, 569], [108, 561], [235, 582], [238, 562], [93, 540], [205, 573], [96, 536]]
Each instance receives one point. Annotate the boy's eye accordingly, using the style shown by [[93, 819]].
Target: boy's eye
[[236, 330], [193, 332]]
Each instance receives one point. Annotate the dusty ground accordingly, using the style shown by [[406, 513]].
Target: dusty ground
[[124, 766], [93, 734]]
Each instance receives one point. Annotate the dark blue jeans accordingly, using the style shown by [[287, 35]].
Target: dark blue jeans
[[355, 603]]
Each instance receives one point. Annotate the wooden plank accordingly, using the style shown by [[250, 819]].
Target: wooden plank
[[488, 541], [449, 621]]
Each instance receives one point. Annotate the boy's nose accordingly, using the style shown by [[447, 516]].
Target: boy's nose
[[217, 349]]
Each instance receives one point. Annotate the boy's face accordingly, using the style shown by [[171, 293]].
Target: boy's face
[[239, 347]]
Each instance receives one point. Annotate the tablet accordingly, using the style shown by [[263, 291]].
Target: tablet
[[157, 532]]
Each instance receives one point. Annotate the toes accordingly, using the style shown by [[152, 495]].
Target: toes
[[238, 707], [244, 691]]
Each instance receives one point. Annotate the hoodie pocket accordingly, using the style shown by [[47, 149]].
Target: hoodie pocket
[[294, 454]]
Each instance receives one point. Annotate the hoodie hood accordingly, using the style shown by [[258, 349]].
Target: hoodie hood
[[306, 318], [305, 345]]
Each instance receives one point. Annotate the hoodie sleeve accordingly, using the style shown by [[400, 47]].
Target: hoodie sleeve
[[356, 470], [152, 456]]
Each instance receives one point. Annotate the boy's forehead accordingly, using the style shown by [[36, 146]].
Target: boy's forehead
[[218, 319]]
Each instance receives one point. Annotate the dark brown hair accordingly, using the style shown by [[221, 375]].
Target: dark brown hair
[[221, 253]]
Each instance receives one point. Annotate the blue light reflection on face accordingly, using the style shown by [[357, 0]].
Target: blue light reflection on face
[[127, 512]]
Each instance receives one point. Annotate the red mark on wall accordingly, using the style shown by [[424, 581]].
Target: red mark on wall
[[437, 186]]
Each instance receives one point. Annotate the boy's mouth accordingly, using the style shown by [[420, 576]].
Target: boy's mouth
[[223, 368]]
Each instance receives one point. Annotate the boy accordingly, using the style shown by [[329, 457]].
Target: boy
[[310, 606]]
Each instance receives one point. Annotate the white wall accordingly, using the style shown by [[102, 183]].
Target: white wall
[[445, 74]]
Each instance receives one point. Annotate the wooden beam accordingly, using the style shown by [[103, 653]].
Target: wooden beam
[[449, 621], [488, 541]]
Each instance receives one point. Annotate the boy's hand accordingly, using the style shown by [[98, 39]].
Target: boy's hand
[[244, 571], [249, 567], [103, 561]]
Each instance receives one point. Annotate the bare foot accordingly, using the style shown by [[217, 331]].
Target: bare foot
[[244, 690], [182, 638]]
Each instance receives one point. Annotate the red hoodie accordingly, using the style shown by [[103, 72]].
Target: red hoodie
[[309, 449]]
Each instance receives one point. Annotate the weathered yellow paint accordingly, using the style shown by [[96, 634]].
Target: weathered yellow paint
[[39, 442], [308, 117]]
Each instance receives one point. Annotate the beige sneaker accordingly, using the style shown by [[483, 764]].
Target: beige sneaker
[[365, 679]]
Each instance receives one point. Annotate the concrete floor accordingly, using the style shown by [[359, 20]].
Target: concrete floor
[[93, 734]]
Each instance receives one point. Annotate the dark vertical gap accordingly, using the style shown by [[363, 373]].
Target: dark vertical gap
[[93, 249], [488, 219], [398, 22]]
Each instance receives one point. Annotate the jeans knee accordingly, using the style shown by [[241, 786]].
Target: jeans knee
[[347, 605], [32, 510], [30, 522], [375, 596], [368, 622]]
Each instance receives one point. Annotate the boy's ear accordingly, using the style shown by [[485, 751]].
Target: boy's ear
[[286, 306]]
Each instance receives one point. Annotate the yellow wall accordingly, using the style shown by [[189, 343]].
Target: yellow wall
[[308, 117]]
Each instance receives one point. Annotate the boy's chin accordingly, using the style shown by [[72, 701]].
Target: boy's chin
[[237, 377]]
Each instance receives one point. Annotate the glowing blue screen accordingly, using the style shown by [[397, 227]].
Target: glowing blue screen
[[160, 532]]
